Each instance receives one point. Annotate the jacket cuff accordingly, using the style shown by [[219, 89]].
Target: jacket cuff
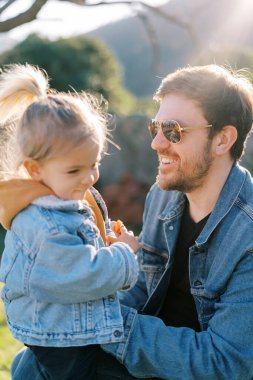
[[131, 266], [118, 349]]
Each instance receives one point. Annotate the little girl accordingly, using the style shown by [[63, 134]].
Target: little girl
[[61, 277]]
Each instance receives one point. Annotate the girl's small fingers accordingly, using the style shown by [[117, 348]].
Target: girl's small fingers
[[123, 229]]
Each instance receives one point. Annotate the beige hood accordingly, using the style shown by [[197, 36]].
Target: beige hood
[[15, 195]]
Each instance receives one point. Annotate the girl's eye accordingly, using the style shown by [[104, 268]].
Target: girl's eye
[[74, 171]]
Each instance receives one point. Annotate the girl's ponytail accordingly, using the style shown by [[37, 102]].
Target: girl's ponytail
[[20, 85]]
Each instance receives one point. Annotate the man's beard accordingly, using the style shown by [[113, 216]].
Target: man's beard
[[191, 176]]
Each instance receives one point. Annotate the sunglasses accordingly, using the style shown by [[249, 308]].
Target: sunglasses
[[171, 129]]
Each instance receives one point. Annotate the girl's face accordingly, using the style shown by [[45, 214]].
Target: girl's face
[[71, 174]]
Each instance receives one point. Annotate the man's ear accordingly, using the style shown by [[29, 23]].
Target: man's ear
[[33, 168], [225, 139]]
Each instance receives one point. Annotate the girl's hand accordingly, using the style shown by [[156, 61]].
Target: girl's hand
[[116, 227], [123, 235]]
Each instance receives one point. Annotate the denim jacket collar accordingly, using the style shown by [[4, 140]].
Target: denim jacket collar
[[228, 196], [232, 187], [172, 210], [54, 203]]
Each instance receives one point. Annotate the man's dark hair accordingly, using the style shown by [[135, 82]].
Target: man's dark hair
[[225, 98]]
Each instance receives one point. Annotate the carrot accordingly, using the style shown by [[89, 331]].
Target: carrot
[[118, 226]]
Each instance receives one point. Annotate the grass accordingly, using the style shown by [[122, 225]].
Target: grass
[[8, 346]]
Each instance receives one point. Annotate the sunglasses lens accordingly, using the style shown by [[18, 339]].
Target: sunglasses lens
[[171, 131], [170, 128], [153, 127]]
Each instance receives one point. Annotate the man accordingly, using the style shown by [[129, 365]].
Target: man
[[190, 316]]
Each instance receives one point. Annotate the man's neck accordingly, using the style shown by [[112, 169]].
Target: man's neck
[[203, 199]]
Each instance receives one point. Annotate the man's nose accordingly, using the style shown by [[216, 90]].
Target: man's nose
[[160, 141]]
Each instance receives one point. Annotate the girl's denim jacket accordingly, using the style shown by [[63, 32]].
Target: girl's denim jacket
[[60, 281], [221, 280]]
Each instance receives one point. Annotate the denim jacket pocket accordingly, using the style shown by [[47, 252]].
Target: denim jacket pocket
[[153, 265], [88, 233], [8, 261], [205, 308]]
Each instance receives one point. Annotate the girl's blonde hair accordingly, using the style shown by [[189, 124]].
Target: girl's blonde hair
[[42, 123]]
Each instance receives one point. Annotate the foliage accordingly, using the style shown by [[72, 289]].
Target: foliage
[[81, 63], [8, 346]]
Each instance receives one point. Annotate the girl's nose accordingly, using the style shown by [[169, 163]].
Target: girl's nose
[[88, 180], [91, 178]]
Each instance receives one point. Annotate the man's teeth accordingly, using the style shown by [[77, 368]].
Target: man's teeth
[[166, 161]]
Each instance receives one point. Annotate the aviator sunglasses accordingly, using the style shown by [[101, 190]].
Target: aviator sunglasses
[[171, 129]]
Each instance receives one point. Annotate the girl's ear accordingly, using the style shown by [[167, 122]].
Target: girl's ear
[[225, 139], [33, 168]]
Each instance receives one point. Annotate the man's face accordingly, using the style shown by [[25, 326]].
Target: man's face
[[183, 166]]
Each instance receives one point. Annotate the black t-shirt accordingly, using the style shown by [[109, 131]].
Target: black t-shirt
[[179, 308]]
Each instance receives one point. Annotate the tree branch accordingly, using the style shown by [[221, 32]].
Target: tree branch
[[6, 5], [152, 37], [29, 15], [155, 10]]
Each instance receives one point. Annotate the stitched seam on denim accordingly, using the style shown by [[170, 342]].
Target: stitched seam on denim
[[130, 323], [153, 250], [243, 206]]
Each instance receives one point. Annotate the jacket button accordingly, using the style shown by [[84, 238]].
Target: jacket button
[[117, 333], [171, 228]]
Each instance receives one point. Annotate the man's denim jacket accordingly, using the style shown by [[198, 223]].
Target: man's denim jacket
[[221, 280], [60, 281]]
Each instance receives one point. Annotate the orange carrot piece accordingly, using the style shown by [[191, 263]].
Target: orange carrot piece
[[118, 226]]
